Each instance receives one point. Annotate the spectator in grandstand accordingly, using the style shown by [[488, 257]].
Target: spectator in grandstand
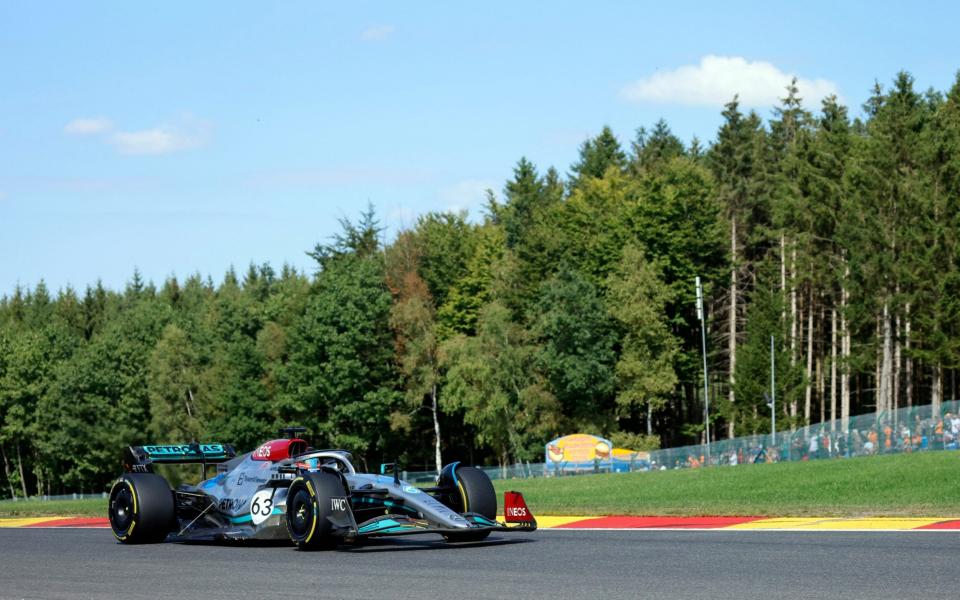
[[856, 445], [796, 448], [843, 445], [870, 446], [950, 435], [906, 439], [927, 437], [919, 432], [887, 437]]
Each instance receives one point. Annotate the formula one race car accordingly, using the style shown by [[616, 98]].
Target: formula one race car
[[286, 490]]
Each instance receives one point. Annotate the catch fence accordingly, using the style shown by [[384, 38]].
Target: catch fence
[[914, 429]]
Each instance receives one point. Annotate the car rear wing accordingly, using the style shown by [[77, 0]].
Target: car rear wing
[[140, 459]]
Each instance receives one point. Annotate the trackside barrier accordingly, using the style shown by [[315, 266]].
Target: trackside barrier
[[915, 429]]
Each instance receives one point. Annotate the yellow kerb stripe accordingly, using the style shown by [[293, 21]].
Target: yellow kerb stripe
[[549, 521], [23, 522], [838, 524]]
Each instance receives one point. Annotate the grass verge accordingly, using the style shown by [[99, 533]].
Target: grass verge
[[90, 507], [921, 484]]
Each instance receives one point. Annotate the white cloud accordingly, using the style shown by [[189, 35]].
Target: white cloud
[[465, 195], [151, 141], [185, 133], [88, 126], [716, 79], [377, 32]]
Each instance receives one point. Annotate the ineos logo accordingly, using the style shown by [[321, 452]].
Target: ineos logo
[[516, 512], [338, 504]]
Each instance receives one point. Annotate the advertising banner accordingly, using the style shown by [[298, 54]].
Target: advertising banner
[[579, 452]]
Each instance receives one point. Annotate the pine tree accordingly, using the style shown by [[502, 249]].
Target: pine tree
[[658, 146], [887, 188], [829, 205], [525, 194], [935, 297], [734, 162], [597, 156]]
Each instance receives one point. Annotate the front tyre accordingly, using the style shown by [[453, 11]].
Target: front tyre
[[473, 492], [315, 503], [141, 508]]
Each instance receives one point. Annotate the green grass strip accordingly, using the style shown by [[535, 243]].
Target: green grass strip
[[90, 507], [920, 484]]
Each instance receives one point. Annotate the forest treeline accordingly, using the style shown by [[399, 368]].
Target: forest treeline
[[569, 306]]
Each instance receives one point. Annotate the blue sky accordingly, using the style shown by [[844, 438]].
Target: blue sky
[[183, 137]]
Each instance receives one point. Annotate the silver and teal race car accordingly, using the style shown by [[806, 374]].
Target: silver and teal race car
[[285, 490]]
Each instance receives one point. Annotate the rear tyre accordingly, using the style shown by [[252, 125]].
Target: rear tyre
[[141, 508], [311, 502], [473, 492]]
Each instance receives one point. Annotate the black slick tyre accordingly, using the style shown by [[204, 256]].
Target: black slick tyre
[[312, 500], [473, 492], [141, 508]]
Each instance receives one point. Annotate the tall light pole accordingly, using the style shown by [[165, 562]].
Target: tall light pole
[[773, 393], [706, 387]]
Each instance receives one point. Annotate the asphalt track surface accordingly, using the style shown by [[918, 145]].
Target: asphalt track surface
[[88, 563]]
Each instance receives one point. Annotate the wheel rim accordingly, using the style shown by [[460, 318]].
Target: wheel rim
[[300, 511], [121, 508]]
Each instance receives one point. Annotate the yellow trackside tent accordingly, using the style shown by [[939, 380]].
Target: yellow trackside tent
[[625, 459]]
